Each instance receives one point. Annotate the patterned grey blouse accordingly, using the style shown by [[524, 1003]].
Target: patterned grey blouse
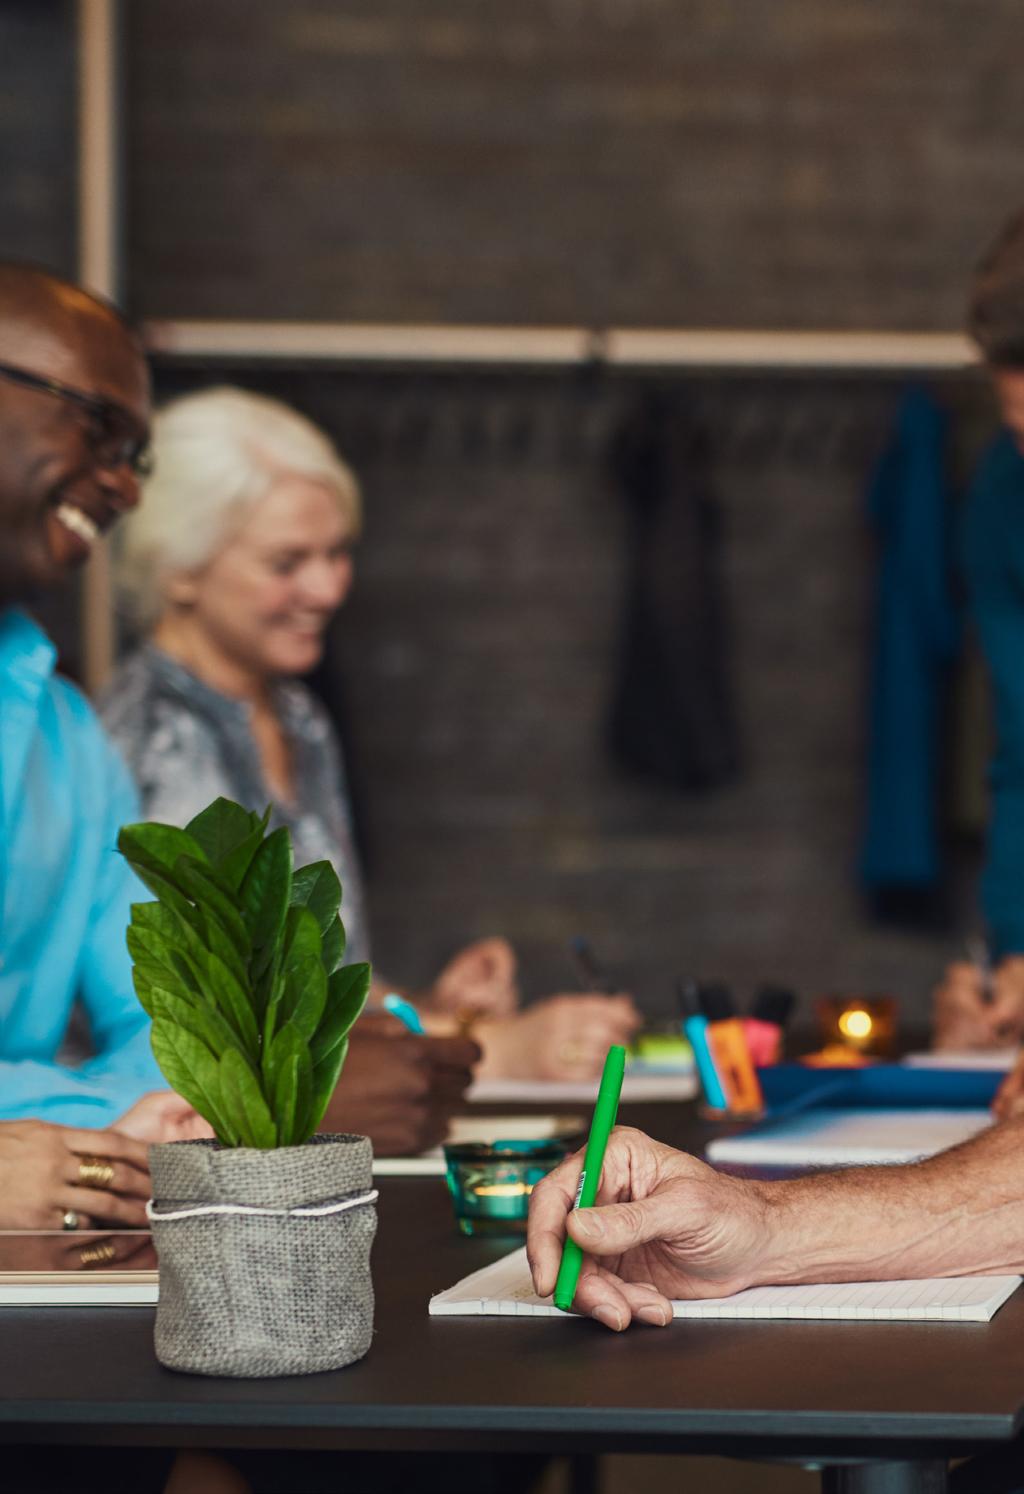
[[186, 743]]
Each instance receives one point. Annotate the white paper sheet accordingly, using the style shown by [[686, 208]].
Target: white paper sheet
[[839, 1138], [505, 1290]]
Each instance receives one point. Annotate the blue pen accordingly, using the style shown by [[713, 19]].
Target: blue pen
[[696, 1028], [405, 1012]]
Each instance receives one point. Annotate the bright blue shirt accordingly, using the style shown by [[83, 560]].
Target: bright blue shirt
[[65, 895]]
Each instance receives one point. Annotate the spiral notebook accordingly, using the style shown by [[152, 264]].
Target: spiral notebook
[[504, 1290]]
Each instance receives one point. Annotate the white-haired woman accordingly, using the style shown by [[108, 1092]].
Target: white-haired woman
[[234, 564]]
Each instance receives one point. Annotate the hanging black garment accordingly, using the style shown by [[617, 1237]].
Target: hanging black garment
[[672, 717]]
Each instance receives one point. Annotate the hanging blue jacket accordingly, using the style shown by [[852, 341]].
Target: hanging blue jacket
[[993, 559], [65, 894], [916, 635]]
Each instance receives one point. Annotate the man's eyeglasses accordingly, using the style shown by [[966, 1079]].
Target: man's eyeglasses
[[114, 438]]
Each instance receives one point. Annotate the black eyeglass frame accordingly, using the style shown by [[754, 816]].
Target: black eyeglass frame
[[126, 450]]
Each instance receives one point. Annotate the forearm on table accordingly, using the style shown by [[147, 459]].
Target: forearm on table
[[958, 1214]]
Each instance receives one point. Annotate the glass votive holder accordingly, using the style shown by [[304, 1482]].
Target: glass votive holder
[[491, 1183], [865, 1024]]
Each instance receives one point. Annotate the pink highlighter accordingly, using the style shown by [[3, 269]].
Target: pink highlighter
[[764, 1028]]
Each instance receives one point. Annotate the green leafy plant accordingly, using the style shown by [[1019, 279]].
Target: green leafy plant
[[238, 963]]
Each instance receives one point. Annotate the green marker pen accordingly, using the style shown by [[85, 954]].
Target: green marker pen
[[605, 1111]]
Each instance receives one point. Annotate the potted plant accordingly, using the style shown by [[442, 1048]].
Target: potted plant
[[264, 1233]]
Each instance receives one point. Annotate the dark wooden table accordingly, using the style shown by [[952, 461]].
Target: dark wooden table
[[880, 1406]]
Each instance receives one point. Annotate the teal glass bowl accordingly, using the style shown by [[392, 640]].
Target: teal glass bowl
[[491, 1183]]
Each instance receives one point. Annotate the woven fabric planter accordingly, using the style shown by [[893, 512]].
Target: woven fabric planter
[[264, 1256]]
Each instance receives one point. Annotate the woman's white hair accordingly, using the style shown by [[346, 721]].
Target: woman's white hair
[[216, 455]]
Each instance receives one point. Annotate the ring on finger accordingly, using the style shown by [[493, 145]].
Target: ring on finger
[[95, 1171], [572, 1053], [70, 1220]]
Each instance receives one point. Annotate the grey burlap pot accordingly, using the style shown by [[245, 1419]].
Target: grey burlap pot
[[265, 1270]]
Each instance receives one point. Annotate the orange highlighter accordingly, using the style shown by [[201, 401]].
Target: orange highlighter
[[729, 1049]]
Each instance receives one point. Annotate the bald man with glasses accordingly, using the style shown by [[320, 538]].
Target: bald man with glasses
[[74, 427]]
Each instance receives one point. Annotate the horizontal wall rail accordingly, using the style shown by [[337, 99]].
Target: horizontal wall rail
[[563, 346]]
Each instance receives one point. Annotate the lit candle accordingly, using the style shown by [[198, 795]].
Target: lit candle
[[502, 1200]]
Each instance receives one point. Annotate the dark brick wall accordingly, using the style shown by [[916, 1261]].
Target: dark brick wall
[[37, 182], [651, 162], [37, 124], [478, 653]]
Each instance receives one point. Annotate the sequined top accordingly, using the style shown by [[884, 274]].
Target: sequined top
[[186, 743]]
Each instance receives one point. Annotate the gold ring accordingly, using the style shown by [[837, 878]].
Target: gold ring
[[70, 1220], [97, 1255], [95, 1170], [572, 1053]]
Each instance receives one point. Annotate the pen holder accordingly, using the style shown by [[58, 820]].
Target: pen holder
[[491, 1183]]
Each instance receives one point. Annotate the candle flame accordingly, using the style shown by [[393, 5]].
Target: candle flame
[[855, 1024]]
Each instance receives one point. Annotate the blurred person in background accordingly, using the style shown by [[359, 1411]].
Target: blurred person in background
[[976, 1007], [233, 568], [74, 425]]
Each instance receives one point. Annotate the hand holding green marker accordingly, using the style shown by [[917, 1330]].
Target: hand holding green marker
[[605, 1111]]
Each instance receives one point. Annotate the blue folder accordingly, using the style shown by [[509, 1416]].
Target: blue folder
[[789, 1087]]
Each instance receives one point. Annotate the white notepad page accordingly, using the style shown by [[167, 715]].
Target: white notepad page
[[639, 1088], [840, 1138], [505, 1290]]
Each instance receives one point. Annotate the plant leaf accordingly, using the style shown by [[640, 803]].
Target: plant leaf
[[301, 937], [190, 1068], [317, 888], [325, 1080], [151, 847], [212, 896], [220, 827], [288, 1076], [303, 995], [347, 990], [266, 890], [332, 946], [245, 1101], [233, 867], [221, 987], [204, 1023]]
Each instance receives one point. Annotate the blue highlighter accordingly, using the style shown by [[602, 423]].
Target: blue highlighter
[[405, 1012], [695, 1026]]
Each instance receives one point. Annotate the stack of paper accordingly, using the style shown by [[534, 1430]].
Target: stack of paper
[[505, 1290], [840, 1138]]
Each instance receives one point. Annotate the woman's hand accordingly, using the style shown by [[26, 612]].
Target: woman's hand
[[963, 1019], [563, 1037], [163, 1116], [479, 981], [49, 1171]]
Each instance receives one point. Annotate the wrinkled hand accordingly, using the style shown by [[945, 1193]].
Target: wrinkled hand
[[562, 1037], [39, 1177], [398, 1089], [961, 1017], [163, 1116], [481, 978], [665, 1225]]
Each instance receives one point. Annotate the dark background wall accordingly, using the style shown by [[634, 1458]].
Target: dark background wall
[[650, 162], [477, 655], [629, 161]]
